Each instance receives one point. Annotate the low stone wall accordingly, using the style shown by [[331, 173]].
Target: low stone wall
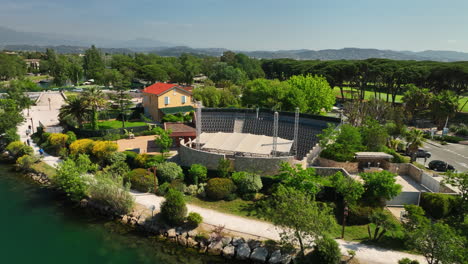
[[328, 171], [263, 166], [189, 156], [260, 165], [350, 167]]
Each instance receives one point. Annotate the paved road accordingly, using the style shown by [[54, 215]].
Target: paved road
[[454, 154]]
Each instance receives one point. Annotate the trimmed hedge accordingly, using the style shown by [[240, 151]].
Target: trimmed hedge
[[438, 205], [219, 188], [141, 180], [169, 171]]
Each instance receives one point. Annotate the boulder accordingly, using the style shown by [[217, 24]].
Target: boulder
[[254, 243], [182, 241], [242, 251], [237, 241], [275, 257], [259, 254], [215, 247], [171, 233], [226, 241], [229, 251], [286, 259], [191, 243], [192, 233]]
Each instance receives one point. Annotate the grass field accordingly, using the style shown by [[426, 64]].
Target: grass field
[[115, 124], [237, 207], [45, 168]]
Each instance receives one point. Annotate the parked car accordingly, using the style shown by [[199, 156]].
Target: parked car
[[439, 165], [421, 153]]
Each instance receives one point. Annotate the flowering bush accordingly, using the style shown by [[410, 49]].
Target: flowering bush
[[82, 146]]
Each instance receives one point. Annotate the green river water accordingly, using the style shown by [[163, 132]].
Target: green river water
[[37, 227]]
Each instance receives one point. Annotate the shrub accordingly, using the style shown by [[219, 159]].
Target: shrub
[[173, 209], [44, 137], [438, 205], [219, 188], [224, 168], [359, 215], [130, 157], [11, 135], [82, 146], [18, 149], [346, 144], [191, 190], [397, 157], [194, 219], [169, 171], [71, 137], [407, 261], [140, 160], [197, 173], [447, 138], [112, 194], [380, 186], [57, 140], [103, 149], [163, 188], [26, 161], [117, 170], [69, 177], [141, 180], [326, 251], [247, 182], [178, 185]]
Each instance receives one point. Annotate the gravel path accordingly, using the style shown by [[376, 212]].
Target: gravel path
[[365, 253]]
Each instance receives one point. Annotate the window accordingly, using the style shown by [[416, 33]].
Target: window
[[167, 100], [184, 99]]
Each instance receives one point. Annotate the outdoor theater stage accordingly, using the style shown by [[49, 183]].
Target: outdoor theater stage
[[222, 142]]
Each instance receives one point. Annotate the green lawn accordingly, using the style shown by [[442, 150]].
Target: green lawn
[[367, 95], [237, 207], [462, 101], [44, 168], [115, 124]]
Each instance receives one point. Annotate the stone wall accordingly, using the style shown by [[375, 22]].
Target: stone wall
[[328, 171], [263, 166], [351, 167], [189, 156]]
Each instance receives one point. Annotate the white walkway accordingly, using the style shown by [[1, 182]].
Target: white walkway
[[365, 253]]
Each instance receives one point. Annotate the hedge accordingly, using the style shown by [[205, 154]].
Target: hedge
[[219, 188], [141, 180], [438, 205]]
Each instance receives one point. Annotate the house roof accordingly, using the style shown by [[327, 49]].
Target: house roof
[[177, 109], [159, 88]]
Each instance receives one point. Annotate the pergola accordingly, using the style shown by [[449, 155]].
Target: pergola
[[373, 159]]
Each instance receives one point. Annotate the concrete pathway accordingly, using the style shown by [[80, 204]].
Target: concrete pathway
[[365, 253]]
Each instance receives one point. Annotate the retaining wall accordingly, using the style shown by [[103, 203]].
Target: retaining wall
[[262, 166], [351, 167]]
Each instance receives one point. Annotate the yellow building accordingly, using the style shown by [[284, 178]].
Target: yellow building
[[161, 99]]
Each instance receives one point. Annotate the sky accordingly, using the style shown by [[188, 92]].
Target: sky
[[252, 24]]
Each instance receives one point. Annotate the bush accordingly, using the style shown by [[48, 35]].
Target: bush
[[173, 209], [407, 261], [219, 188], [224, 168], [57, 140], [346, 144], [130, 157], [326, 251], [397, 157], [460, 130], [197, 173], [82, 146], [359, 215], [438, 205], [18, 149], [447, 138], [103, 149], [69, 177], [194, 219], [111, 194], [26, 161], [178, 185], [141, 180], [44, 137], [71, 137], [11, 135], [247, 182], [163, 189], [380, 186], [169, 171]]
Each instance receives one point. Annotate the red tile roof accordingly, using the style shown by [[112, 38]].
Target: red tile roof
[[158, 88]]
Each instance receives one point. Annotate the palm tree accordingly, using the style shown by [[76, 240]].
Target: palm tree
[[414, 140], [76, 108], [94, 98]]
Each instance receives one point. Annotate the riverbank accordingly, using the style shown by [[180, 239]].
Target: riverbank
[[41, 226]]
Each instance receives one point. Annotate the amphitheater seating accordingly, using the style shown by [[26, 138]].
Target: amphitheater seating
[[224, 120]]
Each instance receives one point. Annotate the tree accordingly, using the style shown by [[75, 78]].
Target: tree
[[439, 243], [169, 171], [198, 173], [417, 101], [326, 251], [265, 93], [94, 99], [299, 178], [173, 209], [300, 218], [93, 63], [163, 139], [75, 107], [350, 189], [414, 218], [222, 73], [312, 94], [11, 117], [414, 140], [17, 92], [383, 222], [154, 72], [11, 67], [460, 181], [190, 67], [123, 100], [224, 168], [247, 182], [379, 186], [443, 105], [343, 145], [374, 135]]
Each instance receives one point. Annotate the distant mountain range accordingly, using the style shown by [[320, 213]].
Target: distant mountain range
[[33, 41]]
